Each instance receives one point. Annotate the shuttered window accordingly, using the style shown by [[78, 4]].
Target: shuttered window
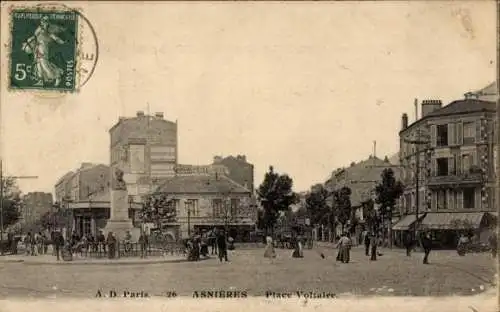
[[460, 133], [451, 134], [433, 135]]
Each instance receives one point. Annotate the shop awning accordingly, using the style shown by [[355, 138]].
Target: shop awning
[[405, 223], [452, 220]]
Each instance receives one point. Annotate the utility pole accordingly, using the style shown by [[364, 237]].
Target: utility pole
[[2, 252], [417, 144]]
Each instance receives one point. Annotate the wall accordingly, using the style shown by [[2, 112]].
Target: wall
[[95, 180]]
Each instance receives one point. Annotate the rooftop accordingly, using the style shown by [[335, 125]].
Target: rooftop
[[200, 184], [362, 178], [464, 106]]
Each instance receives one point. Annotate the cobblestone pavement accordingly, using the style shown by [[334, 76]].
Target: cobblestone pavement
[[392, 274]]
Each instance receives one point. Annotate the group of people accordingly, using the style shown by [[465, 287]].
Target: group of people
[[36, 244], [198, 245]]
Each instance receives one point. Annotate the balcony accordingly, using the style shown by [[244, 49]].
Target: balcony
[[471, 177]]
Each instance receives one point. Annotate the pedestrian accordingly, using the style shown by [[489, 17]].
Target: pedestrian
[[212, 238], [111, 242], [373, 244], [143, 242], [366, 238], [101, 242], [427, 245], [58, 243], [222, 245], [269, 251], [492, 240], [408, 243], [344, 246]]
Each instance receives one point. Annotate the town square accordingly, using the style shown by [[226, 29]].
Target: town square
[[214, 152]]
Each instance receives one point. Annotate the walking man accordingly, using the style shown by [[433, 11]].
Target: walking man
[[492, 240], [222, 245], [427, 245], [58, 244], [373, 244], [408, 243], [366, 239]]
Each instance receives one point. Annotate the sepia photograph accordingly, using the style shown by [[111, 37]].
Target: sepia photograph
[[284, 151]]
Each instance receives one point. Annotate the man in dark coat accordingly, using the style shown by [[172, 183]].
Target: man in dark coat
[[58, 243], [222, 245], [408, 243], [367, 243], [427, 245]]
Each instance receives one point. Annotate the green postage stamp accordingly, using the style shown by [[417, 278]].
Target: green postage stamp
[[44, 47]]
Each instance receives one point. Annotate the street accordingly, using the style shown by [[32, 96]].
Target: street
[[392, 274]]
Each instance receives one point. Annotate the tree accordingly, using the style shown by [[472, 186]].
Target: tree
[[342, 205], [276, 195], [319, 211], [387, 192], [11, 201], [158, 208]]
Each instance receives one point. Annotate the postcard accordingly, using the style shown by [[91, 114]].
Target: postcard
[[257, 155]]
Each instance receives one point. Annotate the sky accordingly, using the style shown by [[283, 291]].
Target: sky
[[305, 87]]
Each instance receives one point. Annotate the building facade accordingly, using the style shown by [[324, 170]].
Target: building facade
[[35, 205], [454, 145], [239, 170], [84, 193], [361, 178], [205, 201], [145, 148]]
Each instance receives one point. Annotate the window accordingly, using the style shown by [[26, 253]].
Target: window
[[162, 170], [235, 203], [469, 198], [442, 166], [137, 156], [442, 135], [217, 207], [466, 163], [193, 207], [469, 132], [441, 199]]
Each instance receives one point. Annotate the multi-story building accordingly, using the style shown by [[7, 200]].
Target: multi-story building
[[239, 170], [85, 192], [35, 205], [361, 178], [451, 148], [145, 148], [205, 201]]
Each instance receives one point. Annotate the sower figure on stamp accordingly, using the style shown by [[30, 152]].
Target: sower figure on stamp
[[39, 45]]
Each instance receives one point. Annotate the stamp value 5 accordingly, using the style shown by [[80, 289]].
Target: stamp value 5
[[43, 50]]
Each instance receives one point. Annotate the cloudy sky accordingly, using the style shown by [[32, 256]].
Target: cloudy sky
[[306, 87]]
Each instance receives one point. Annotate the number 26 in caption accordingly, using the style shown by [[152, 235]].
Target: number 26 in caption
[[170, 294]]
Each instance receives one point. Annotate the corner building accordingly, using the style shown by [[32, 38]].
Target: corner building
[[456, 169], [145, 148]]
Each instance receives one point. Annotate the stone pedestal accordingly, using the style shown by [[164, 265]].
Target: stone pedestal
[[119, 222]]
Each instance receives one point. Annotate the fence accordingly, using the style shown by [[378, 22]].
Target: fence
[[124, 250]]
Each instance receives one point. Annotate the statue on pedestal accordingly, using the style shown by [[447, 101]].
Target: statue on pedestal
[[117, 183]]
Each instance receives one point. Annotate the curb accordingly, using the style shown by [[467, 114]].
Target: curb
[[12, 261], [31, 262]]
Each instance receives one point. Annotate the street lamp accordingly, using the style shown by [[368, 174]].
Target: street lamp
[[187, 204]]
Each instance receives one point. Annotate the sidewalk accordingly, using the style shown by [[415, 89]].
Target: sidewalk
[[52, 260]]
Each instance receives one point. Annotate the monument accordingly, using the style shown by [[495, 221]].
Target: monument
[[119, 222]]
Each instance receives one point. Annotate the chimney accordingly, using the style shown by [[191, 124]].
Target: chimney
[[159, 115], [404, 121], [429, 106], [140, 114]]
